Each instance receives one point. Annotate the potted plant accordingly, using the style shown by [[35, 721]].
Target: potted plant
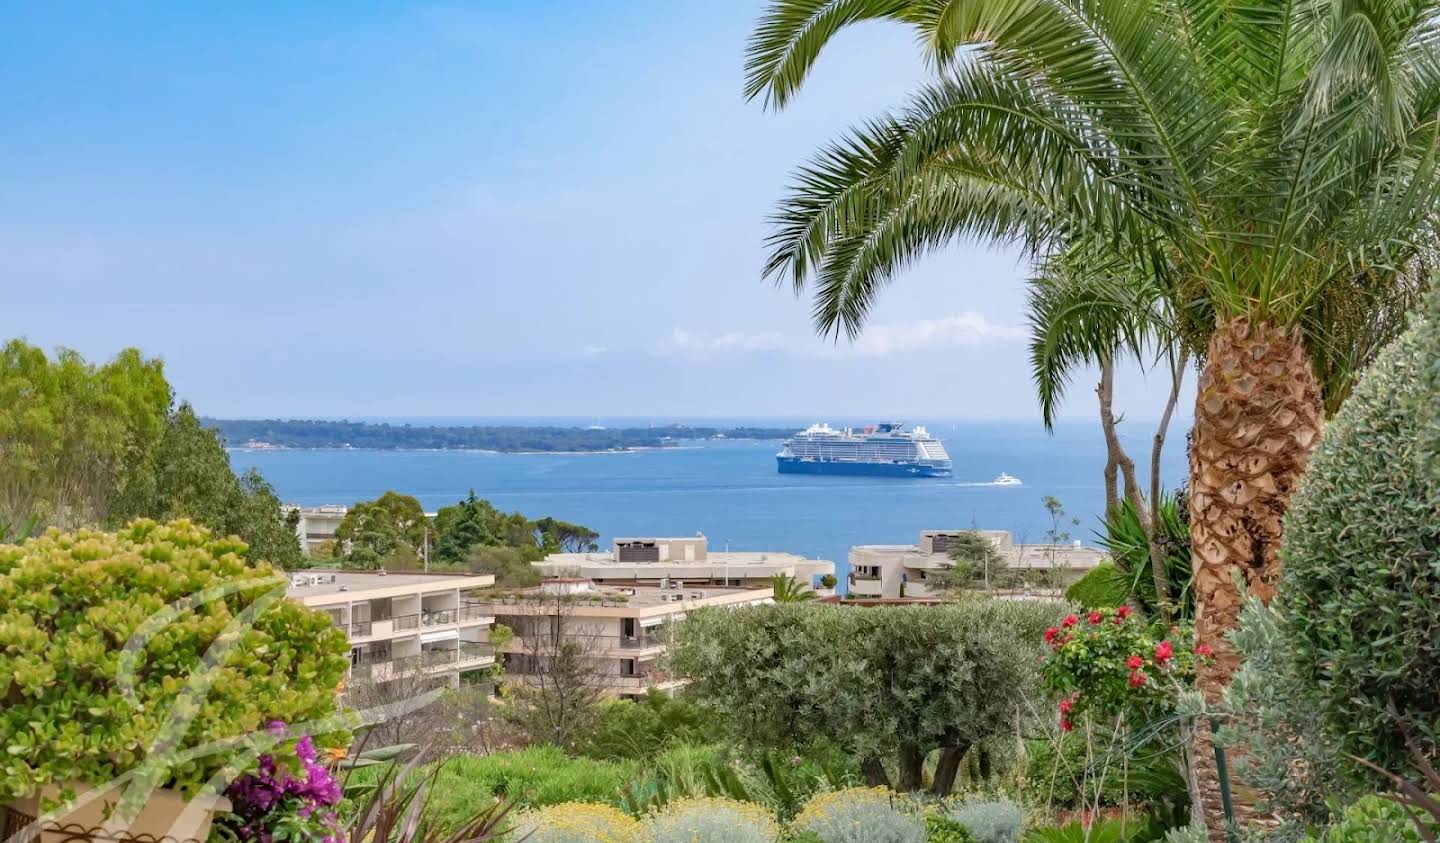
[[136, 669]]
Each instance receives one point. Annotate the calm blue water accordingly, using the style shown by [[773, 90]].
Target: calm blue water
[[731, 492]]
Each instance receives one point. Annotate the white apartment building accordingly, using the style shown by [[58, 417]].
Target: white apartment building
[[621, 630], [316, 524], [399, 623], [902, 570], [650, 561]]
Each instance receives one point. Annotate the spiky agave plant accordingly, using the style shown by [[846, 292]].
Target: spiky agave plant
[[1255, 159]]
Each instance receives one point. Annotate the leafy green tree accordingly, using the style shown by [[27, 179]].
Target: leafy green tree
[[77, 439], [508, 565], [389, 529], [1261, 162], [553, 535], [464, 526], [787, 589], [885, 683], [975, 564]]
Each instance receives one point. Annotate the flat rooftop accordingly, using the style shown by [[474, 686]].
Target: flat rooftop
[[712, 558], [636, 597], [361, 581]]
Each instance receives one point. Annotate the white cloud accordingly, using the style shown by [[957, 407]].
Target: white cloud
[[685, 340], [592, 350], [967, 328]]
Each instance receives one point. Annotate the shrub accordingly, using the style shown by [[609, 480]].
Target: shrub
[[1150, 775], [640, 729], [1289, 756], [574, 822], [1194, 833], [1128, 542], [1361, 590], [990, 821], [69, 603], [710, 820], [942, 829], [1373, 819], [860, 815], [1104, 587]]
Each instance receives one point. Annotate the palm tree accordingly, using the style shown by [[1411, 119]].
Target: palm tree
[[790, 590], [1254, 159]]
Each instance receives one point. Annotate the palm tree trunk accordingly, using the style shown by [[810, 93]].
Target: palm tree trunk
[[1258, 417]]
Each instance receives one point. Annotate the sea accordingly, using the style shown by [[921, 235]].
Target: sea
[[731, 492]]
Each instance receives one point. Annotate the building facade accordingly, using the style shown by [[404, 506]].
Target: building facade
[[618, 633], [401, 625], [896, 570], [651, 561], [316, 525]]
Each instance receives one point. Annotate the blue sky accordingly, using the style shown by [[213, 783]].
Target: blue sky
[[469, 209]]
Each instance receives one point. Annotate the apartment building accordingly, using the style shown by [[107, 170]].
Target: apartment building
[[316, 525], [905, 570], [619, 631], [649, 561], [402, 623]]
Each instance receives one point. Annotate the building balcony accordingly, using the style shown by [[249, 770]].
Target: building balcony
[[599, 644]]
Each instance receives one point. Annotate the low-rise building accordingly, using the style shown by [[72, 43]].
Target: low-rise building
[[619, 633], [316, 525], [906, 570], [649, 561], [401, 623]]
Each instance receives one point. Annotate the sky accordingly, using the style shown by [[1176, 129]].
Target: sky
[[331, 209]]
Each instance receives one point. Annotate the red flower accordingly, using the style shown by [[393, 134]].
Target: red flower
[[1134, 662], [1122, 613], [1070, 620], [1204, 651], [1094, 617], [1065, 724], [1136, 679], [1051, 633], [1066, 704], [1163, 651]]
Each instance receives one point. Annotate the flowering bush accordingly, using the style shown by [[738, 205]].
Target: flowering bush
[[860, 815], [710, 821], [291, 797], [575, 822], [1109, 661]]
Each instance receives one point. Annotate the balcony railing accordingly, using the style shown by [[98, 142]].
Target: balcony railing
[[470, 651], [547, 641], [405, 623], [475, 612], [359, 629]]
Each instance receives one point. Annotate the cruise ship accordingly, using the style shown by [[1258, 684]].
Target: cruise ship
[[886, 449]]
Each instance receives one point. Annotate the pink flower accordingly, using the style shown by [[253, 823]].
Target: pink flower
[[1066, 704], [1051, 633], [1066, 725], [1122, 613], [1070, 620], [1094, 617], [1163, 651], [1136, 678], [1204, 651], [1134, 662]]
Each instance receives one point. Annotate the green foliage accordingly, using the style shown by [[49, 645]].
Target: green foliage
[[1289, 755], [976, 564], [397, 808], [76, 438], [1188, 834], [1128, 543], [192, 479], [69, 603], [1101, 831], [1360, 597], [507, 564], [989, 820], [861, 815], [554, 535], [389, 530], [942, 829], [787, 589], [645, 727], [1373, 819], [828, 581], [1100, 767], [1103, 587], [875, 682]]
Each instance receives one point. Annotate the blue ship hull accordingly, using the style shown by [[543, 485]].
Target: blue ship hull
[[791, 465]]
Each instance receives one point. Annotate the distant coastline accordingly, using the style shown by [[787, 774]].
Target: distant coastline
[[309, 434]]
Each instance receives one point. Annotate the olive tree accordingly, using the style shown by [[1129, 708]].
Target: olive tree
[[892, 683]]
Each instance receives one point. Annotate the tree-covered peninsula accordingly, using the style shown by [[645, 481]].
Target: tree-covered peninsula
[[310, 433]]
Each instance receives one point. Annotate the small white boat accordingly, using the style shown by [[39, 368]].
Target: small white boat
[[1006, 480]]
